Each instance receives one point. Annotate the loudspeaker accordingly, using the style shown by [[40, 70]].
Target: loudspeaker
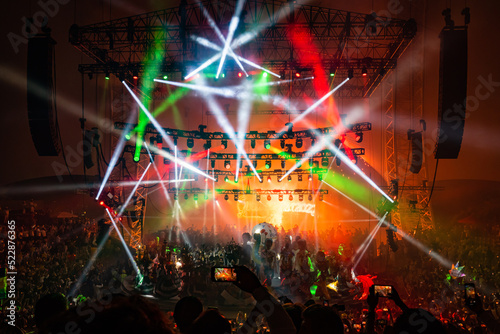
[[417, 155], [40, 95], [452, 92]]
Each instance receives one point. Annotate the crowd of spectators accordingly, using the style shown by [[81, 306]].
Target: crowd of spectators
[[308, 280]]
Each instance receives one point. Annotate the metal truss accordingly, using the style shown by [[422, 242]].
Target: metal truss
[[283, 32], [249, 191], [199, 134], [252, 156]]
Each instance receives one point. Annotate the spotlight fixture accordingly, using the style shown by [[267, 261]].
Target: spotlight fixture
[[269, 179], [298, 143], [267, 144], [298, 74], [310, 197], [282, 75], [227, 164], [301, 197], [310, 177], [212, 163], [257, 197], [332, 71], [224, 143], [236, 197], [324, 162], [280, 197], [226, 197], [106, 76], [350, 73], [358, 137], [252, 143], [320, 177], [268, 197], [195, 197], [261, 178], [315, 164], [240, 74], [190, 143], [268, 164], [290, 197], [299, 177], [283, 163], [206, 179], [254, 163], [282, 144], [226, 179], [207, 145], [364, 72], [235, 179], [135, 75], [354, 160], [186, 196], [176, 197], [175, 141], [338, 161], [289, 178]]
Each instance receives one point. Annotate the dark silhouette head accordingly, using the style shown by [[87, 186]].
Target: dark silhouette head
[[418, 321], [320, 319], [48, 307], [211, 322], [186, 311]]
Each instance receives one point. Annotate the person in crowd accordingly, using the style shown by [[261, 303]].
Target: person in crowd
[[186, 311]]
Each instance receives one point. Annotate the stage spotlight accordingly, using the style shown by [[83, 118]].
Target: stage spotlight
[[310, 197], [106, 76], [298, 143], [101, 203], [290, 197], [338, 161], [176, 197], [301, 197], [257, 197], [235, 179], [268, 164], [310, 177], [332, 71], [165, 77], [364, 72], [289, 178], [264, 74], [254, 163], [320, 177], [299, 177], [240, 74], [354, 160], [282, 75], [175, 141], [190, 143], [282, 143], [135, 75], [267, 144], [358, 137], [226, 179], [236, 197], [269, 179], [298, 74], [226, 197], [324, 162], [280, 197], [224, 143], [195, 197], [350, 73], [283, 163], [227, 164], [207, 145], [268, 197], [212, 163], [252, 143], [261, 180], [315, 164], [321, 196], [186, 196]]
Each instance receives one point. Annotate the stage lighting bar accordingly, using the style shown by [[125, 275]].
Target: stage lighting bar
[[255, 135], [239, 192]]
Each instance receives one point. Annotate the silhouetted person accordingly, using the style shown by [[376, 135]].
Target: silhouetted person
[[186, 311], [211, 322], [48, 307]]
